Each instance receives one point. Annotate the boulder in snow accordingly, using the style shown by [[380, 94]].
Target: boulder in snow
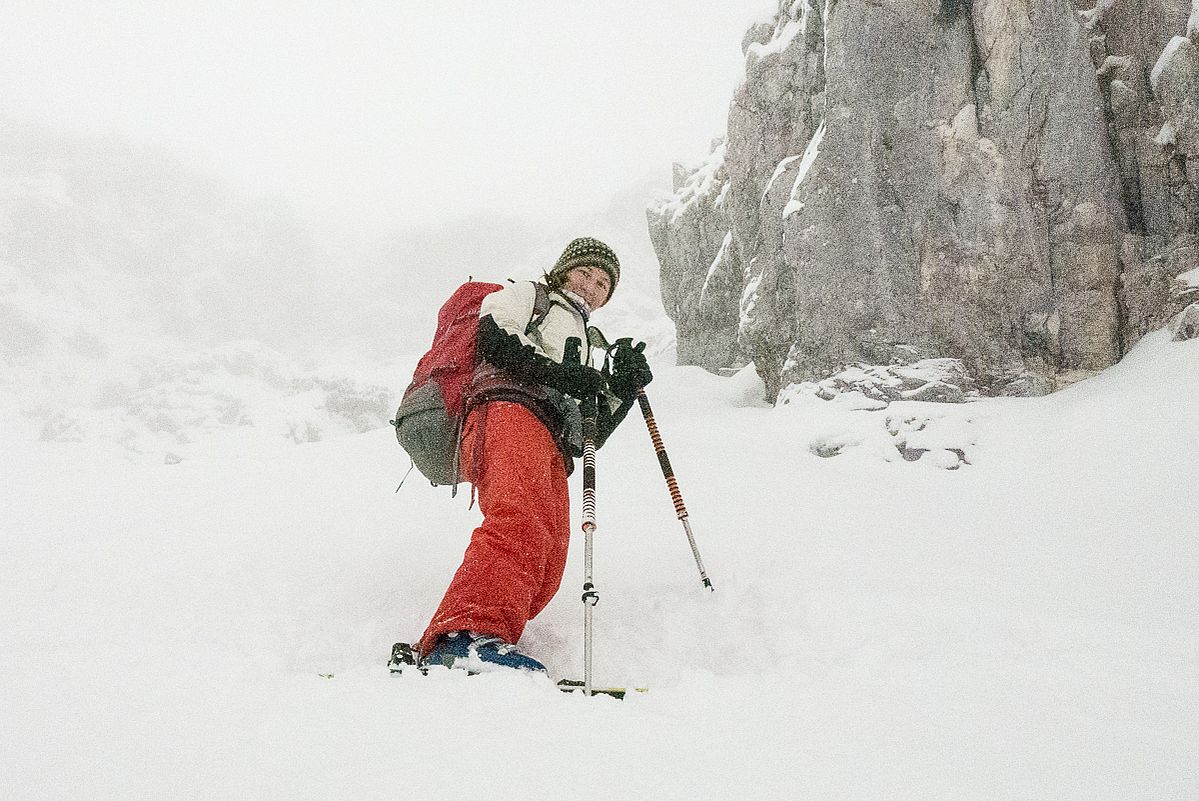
[[1186, 324]]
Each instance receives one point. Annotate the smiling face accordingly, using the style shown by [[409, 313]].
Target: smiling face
[[592, 284]]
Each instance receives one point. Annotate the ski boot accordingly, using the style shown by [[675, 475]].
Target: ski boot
[[478, 653]]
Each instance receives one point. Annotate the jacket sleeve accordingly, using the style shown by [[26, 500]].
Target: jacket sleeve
[[502, 340], [511, 309]]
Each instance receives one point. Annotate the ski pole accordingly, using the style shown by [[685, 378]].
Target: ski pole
[[590, 410], [668, 473], [590, 595], [596, 338]]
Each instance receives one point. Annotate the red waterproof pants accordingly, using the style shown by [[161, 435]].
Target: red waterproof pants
[[513, 565]]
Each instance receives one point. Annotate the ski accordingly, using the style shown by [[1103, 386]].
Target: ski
[[574, 685], [404, 660]]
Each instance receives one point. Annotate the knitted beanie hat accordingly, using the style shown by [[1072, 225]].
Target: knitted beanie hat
[[588, 252]]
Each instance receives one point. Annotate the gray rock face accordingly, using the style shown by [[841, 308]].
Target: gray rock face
[[1149, 73], [700, 277], [1008, 183]]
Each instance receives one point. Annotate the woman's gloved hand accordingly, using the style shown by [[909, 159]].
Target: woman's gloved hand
[[630, 370], [577, 380], [572, 377]]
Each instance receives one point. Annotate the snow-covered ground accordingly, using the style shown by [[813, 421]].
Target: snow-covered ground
[[1023, 626]]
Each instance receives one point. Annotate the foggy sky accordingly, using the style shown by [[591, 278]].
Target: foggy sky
[[381, 114]]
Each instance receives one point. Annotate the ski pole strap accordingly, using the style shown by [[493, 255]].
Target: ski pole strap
[[405, 478], [663, 460]]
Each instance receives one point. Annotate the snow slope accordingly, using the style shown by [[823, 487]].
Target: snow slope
[[1021, 627]]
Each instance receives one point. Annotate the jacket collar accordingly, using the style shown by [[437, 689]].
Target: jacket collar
[[577, 302]]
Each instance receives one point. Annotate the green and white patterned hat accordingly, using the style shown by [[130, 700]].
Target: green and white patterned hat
[[588, 252]]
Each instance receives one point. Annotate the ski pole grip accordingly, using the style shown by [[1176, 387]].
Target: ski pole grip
[[573, 350]]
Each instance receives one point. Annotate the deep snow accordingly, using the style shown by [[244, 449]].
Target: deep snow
[[1022, 627]]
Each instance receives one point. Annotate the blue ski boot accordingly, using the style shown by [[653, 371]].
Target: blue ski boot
[[478, 653]]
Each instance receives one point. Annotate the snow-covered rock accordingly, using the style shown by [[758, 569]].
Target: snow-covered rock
[[1186, 325], [172, 400], [935, 380]]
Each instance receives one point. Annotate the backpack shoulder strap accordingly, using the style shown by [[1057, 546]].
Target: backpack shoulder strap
[[541, 307]]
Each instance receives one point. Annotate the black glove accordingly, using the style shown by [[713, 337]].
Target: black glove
[[630, 370], [575, 379]]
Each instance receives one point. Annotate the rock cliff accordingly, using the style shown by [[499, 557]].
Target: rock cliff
[[1010, 183]]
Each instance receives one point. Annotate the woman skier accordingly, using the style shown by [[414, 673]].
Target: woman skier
[[523, 427]]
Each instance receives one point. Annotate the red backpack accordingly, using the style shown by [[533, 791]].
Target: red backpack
[[428, 421]]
